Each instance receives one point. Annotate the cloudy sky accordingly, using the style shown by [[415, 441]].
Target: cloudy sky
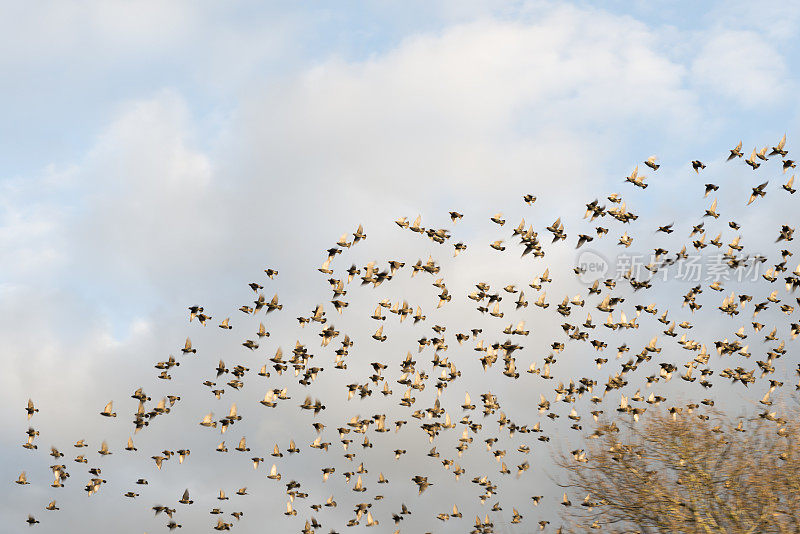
[[156, 155]]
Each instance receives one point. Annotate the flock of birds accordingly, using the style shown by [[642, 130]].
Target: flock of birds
[[502, 347]]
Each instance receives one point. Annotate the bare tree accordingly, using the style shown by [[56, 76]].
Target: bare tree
[[686, 473]]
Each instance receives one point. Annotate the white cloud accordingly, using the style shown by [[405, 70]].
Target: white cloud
[[741, 65], [149, 186], [478, 102], [464, 119], [776, 25]]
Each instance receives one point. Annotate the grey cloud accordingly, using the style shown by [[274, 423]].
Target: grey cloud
[[154, 219]]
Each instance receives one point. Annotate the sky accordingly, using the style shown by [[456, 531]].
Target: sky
[[158, 155]]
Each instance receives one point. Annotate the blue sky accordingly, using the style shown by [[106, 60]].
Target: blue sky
[[156, 155]]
